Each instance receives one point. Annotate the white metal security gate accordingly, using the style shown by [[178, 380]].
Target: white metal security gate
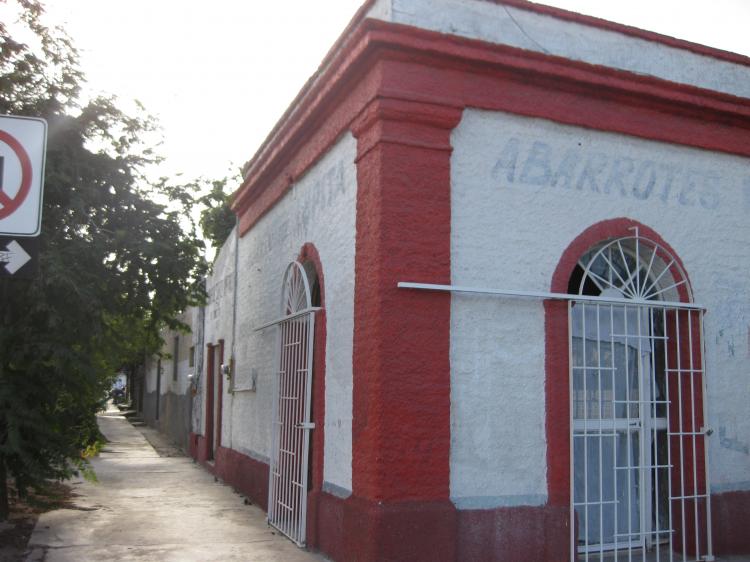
[[638, 441], [287, 486], [638, 449]]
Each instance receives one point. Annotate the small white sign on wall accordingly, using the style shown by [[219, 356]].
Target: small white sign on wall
[[23, 142]]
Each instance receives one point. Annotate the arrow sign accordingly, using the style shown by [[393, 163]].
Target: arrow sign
[[18, 257]]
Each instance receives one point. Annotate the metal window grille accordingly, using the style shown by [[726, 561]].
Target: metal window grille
[[638, 451], [287, 490], [639, 483]]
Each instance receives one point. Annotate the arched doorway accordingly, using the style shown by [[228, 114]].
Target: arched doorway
[[638, 456], [288, 476]]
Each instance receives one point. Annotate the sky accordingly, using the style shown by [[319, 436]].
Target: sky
[[219, 74]]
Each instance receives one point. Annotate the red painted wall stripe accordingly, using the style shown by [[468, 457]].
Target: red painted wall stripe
[[220, 390], [449, 70], [209, 421], [401, 403], [309, 253], [337, 63]]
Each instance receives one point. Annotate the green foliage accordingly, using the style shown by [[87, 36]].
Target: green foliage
[[116, 265], [217, 219]]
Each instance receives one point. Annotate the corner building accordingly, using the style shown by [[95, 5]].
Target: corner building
[[488, 295]]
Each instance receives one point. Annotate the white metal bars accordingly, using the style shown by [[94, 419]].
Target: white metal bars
[[638, 455], [639, 482], [632, 270], [641, 506], [537, 295], [291, 425]]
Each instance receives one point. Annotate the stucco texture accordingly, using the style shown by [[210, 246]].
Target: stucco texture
[[522, 190], [533, 31], [319, 209]]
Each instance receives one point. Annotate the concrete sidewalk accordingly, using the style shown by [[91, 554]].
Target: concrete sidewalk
[[146, 507]]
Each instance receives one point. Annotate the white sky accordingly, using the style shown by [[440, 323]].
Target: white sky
[[219, 74]]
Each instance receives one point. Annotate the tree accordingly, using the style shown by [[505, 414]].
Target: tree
[[115, 265], [217, 218]]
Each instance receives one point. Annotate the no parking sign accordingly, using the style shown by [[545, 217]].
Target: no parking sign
[[23, 143]]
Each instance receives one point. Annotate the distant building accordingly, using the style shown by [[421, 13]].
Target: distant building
[[565, 371], [166, 400]]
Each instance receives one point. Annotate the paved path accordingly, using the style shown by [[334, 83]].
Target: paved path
[[148, 507], [151, 508]]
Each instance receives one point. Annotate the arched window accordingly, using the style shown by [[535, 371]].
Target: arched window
[[295, 294], [632, 267], [638, 467]]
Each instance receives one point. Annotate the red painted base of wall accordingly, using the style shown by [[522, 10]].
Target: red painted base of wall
[[331, 523], [198, 447], [246, 475], [357, 529], [430, 531], [730, 515], [510, 534], [413, 531]]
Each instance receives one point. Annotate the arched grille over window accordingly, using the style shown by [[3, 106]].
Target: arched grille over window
[[632, 267], [638, 451]]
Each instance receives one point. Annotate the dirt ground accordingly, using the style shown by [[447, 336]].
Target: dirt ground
[[15, 532]]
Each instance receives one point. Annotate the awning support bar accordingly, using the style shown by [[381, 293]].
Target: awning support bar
[[288, 317], [544, 295]]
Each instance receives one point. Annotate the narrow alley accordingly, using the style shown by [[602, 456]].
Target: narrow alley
[[149, 507]]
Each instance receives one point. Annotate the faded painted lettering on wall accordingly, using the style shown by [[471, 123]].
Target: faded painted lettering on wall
[[308, 206], [537, 163]]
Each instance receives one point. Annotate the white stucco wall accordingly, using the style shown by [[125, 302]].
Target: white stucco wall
[[321, 209], [150, 373], [522, 190], [218, 320], [194, 317], [180, 385], [175, 407], [497, 23]]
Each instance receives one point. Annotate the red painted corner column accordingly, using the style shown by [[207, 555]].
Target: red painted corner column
[[400, 508]]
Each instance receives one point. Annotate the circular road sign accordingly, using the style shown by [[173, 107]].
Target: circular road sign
[[9, 203], [23, 145]]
